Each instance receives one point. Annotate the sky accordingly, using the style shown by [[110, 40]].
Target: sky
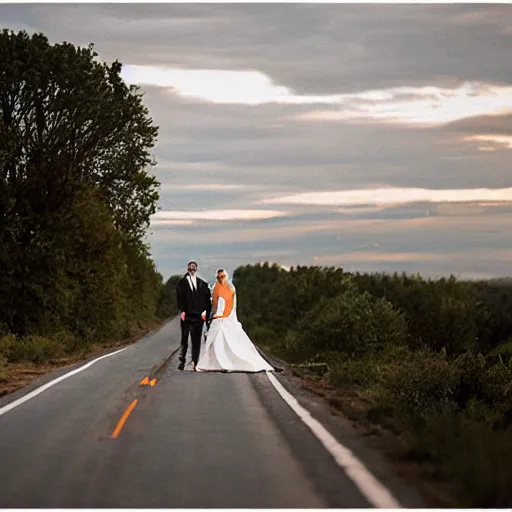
[[376, 138]]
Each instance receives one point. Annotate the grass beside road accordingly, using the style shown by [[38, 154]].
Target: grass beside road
[[455, 457], [23, 361]]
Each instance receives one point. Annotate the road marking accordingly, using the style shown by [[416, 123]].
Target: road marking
[[6, 408], [371, 488], [123, 419]]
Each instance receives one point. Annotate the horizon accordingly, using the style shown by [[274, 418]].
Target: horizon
[[475, 279]]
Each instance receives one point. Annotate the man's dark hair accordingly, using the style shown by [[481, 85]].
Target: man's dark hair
[[192, 263]]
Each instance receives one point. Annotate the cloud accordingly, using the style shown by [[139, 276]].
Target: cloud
[[418, 105], [170, 222], [482, 255], [339, 241], [334, 233], [431, 265], [218, 86], [427, 105], [194, 187], [492, 142], [163, 217], [387, 257], [393, 196]]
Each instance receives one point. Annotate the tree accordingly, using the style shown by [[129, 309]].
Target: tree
[[74, 139], [68, 119], [167, 305]]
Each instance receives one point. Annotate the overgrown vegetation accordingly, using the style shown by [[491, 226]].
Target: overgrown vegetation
[[75, 201], [167, 304], [429, 360]]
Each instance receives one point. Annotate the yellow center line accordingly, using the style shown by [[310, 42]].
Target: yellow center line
[[123, 419]]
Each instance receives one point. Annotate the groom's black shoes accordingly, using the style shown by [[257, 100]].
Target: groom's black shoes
[[181, 366]]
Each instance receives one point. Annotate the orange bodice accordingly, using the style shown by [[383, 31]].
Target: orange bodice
[[224, 291]]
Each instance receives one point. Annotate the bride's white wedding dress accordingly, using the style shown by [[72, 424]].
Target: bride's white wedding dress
[[228, 347]]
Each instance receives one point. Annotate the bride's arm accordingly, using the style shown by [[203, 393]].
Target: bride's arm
[[215, 301]]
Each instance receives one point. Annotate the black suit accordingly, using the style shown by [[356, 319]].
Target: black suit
[[192, 303]]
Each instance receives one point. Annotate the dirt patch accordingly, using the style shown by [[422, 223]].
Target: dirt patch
[[21, 374], [18, 375], [319, 387]]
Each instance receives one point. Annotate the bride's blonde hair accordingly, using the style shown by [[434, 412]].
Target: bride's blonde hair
[[228, 282]]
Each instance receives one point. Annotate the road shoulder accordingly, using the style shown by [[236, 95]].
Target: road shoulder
[[367, 449]]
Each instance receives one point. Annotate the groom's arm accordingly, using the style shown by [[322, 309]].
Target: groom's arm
[[179, 299], [208, 299]]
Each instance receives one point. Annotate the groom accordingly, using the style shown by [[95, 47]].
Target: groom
[[194, 302]]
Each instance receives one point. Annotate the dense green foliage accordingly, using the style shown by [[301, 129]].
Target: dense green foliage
[[167, 304], [75, 199], [429, 359], [348, 323]]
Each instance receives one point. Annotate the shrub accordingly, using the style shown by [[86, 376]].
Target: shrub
[[469, 367], [351, 323], [262, 334], [479, 459], [4, 372], [421, 383], [497, 383], [31, 348], [7, 341], [482, 380], [349, 372]]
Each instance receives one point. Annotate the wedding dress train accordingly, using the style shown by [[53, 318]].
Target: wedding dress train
[[227, 346]]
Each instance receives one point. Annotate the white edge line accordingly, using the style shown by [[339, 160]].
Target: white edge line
[[6, 408], [371, 488]]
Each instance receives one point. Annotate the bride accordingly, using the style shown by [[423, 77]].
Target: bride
[[227, 347]]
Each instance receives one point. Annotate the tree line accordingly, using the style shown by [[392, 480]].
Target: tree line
[[76, 196]]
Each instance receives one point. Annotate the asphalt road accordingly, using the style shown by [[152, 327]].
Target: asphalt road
[[191, 440]]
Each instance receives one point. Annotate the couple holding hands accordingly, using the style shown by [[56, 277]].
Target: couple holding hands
[[227, 346]]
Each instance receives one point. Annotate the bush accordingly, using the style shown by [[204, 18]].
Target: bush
[[167, 305], [479, 457], [4, 372], [349, 372], [262, 334], [352, 323], [470, 454], [7, 341], [497, 384], [31, 348]]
